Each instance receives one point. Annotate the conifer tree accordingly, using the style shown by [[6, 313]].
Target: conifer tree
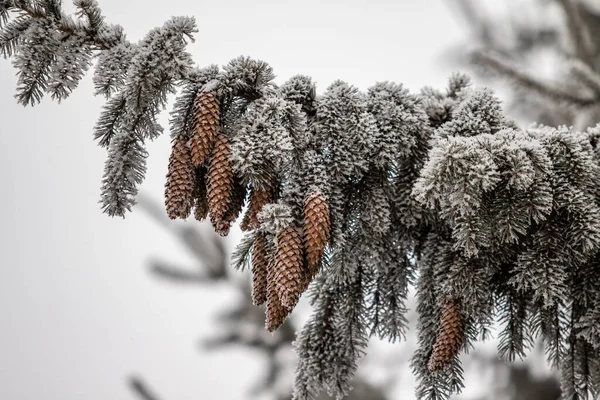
[[355, 195]]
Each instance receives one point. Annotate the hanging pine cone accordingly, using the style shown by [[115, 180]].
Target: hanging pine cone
[[258, 198], [179, 188], [259, 270], [238, 200], [276, 312], [206, 122], [219, 185], [289, 266], [450, 337], [317, 226], [200, 201]]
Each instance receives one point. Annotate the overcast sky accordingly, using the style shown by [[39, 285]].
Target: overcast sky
[[79, 311]]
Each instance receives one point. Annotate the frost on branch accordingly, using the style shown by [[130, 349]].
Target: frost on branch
[[352, 196]]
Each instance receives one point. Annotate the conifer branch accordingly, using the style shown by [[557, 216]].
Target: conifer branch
[[362, 193], [88, 8]]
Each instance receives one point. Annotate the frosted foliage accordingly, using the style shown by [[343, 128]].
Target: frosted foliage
[[466, 179], [344, 128], [125, 166], [249, 77], [266, 138], [69, 66], [275, 217], [111, 68], [34, 61], [478, 113], [377, 211], [436, 190], [394, 110], [301, 90]]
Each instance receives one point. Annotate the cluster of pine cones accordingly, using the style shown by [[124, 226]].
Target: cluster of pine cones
[[200, 177], [282, 274], [200, 174]]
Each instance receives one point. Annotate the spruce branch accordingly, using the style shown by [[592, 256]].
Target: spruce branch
[[11, 34], [123, 172], [362, 193], [53, 11]]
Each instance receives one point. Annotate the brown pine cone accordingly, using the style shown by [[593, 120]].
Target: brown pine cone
[[219, 185], [238, 200], [258, 198], [201, 202], [259, 270], [450, 337], [317, 227], [289, 266], [206, 121], [180, 185], [276, 312]]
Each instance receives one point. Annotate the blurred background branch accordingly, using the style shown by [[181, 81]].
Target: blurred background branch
[[547, 49], [141, 389]]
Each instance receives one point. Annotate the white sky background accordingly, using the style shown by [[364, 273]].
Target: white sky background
[[78, 310]]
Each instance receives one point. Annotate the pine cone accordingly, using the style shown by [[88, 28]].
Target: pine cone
[[259, 270], [179, 188], [219, 185], [238, 200], [201, 202], [206, 121], [276, 312], [317, 226], [450, 337], [258, 198], [289, 266]]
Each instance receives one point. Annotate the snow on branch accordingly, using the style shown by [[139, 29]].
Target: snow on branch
[[353, 197]]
